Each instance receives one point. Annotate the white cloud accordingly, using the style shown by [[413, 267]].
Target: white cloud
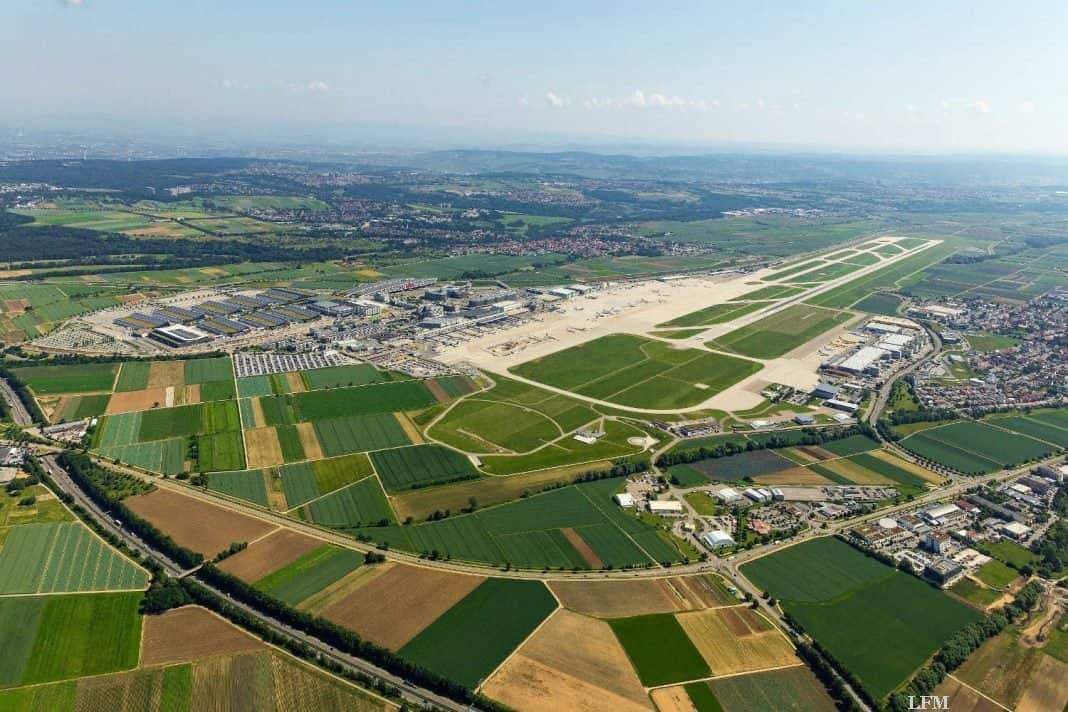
[[637, 98], [1027, 107], [75, 3], [555, 100], [523, 101], [233, 84], [981, 105], [317, 87]]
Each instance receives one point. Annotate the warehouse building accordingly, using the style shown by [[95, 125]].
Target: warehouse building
[[717, 539]]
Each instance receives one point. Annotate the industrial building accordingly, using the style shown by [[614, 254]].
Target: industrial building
[[623, 499], [177, 336], [666, 507], [717, 539]]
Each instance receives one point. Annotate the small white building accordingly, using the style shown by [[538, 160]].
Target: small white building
[[1015, 530], [623, 499], [727, 495], [717, 539]]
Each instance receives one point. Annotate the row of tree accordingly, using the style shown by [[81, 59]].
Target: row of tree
[[807, 437]]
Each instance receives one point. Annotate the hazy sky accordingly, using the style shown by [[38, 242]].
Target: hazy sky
[[947, 76]]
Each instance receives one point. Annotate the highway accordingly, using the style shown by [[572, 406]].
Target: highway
[[18, 411], [409, 692]]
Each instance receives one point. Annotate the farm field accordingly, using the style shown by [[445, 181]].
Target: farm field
[[1015, 675], [1051, 426], [274, 551], [778, 334], [189, 633], [344, 402], [67, 557], [574, 661], [659, 649], [359, 433], [469, 641], [880, 623], [421, 465], [359, 374], [742, 465], [626, 599], [791, 689], [638, 372], [362, 503], [59, 637], [84, 378], [310, 573], [195, 524], [389, 604], [975, 447], [734, 640], [547, 530], [305, 481]]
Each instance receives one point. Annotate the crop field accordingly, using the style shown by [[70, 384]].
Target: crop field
[[782, 332], [59, 637], [166, 456], [638, 372], [976, 448], [574, 661], [83, 378], [1010, 672], [342, 402], [742, 465], [195, 524], [79, 407], [1051, 426], [529, 533], [161, 423], [715, 314], [254, 386], [133, 376], [791, 689], [305, 481], [248, 485], [359, 374], [220, 451], [852, 445], [890, 470], [359, 433], [274, 551], [659, 649], [473, 637], [738, 639], [421, 465], [51, 558], [310, 573], [360, 504], [625, 599], [880, 623]]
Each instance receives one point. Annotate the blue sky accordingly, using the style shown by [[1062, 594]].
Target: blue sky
[[944, 76]]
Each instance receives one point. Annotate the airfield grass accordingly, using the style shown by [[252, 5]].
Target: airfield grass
[[659, 649], [638, 372], [474, 637], [478, 425], [770, 292], [879, 303], [886, 278], [782, 332], [421, 465], [715, 314], [83, 378], [568, 451], [310, 573]]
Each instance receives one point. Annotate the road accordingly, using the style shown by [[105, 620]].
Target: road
[[410, 693], [18, 411]]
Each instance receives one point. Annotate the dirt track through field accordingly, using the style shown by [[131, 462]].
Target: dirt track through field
[[258, 419], [437, 391], [191, 633], [396, 606], [295, 382], [409, 428], [588, 554], [270, 553]]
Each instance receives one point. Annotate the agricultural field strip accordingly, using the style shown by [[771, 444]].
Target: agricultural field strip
[[627, 534], [339, 489], [929, 433]]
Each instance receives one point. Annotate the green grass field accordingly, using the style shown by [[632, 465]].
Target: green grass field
[[61, 637], [976, 448], [79, 407], [205, 370], [473, 637], [659, 649], [360, 504], [1008, 552], [996, 574], [478, 425], [421, 465], [304, 481], [359, 374], [879, 303], [852, 445], [781, 332], [638, 372], [221, 451], [1050, 426], [53, 558], [344, 402], [83, 378], [166, 456], [815, 570], [310, 573], [133, 376], [974, 593]]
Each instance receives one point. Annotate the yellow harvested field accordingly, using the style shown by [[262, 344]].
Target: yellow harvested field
[[908, 466], [191, 633], [396, 606], [528, 686], [855, 473], [129, 401], [409, 428], [166, 373], [295, 382], [792, 476], [963, 698], [1048, 689], [270, 553], [262, 448], [308, 440], [733, 640], [190, 394], [672, 699], [621, 599]]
